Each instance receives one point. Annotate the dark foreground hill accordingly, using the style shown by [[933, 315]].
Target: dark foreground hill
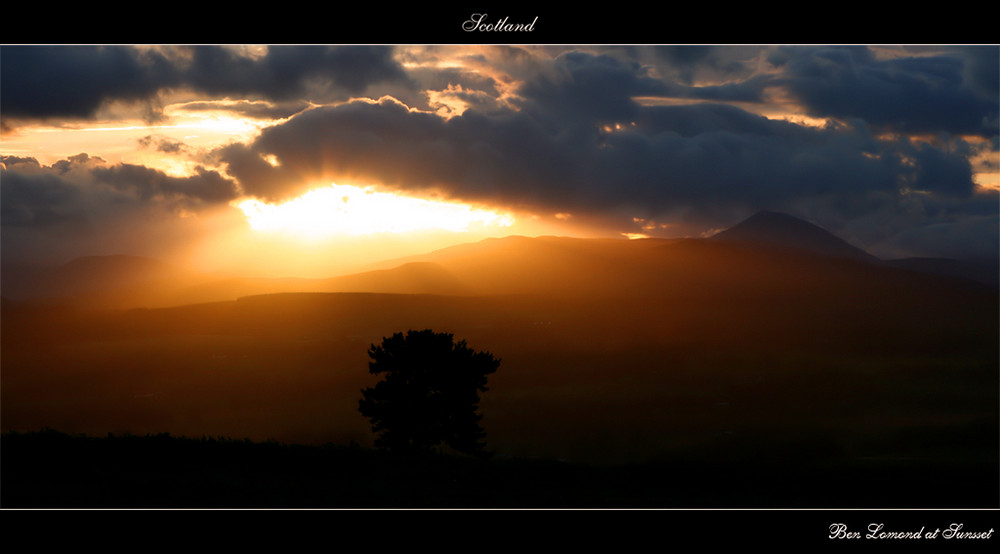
[[665, 357], [882, 373], [55, 470]]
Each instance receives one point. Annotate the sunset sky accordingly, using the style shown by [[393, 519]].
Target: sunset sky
[[312, 160]]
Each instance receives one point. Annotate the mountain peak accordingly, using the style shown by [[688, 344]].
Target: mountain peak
[[777, 230]]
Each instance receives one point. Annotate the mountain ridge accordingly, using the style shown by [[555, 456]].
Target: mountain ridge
[[759, 247]]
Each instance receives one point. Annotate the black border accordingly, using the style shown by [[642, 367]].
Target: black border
[[597, 530], [806, 530], [662, 23]]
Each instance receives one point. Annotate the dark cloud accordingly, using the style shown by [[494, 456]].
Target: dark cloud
[[84, 206], [942, 169], [573, 138], [686, 56], [75, 81], [700, 153], [81, 190], [695, 119], [284, 72], [470, 155], [208, 187], [702, 162], [982, 70], [37, 199], [920, 94], [583, 89], [162, 144], [686, 61]]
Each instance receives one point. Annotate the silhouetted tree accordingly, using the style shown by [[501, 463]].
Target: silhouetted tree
[[429, 393]]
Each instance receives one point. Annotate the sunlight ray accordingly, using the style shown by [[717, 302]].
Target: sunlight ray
[[350, 210]]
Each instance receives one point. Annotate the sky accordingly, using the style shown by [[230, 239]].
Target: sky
[[316, 159]]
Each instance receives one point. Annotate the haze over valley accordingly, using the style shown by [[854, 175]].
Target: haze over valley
[[755, 272], [613, 350]]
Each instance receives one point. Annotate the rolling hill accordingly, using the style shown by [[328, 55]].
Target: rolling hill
[[612, 351], [767, 249]]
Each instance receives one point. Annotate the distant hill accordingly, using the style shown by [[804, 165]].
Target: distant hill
[[981, 271], [408, 278], [119, 281], [783, 232], [794, 359], [788, 233], [613, 351], [769, 250]]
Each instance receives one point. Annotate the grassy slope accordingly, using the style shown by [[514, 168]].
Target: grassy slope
[[54, 470], [765, 375]]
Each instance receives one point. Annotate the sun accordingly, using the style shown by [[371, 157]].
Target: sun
[[351, 210]]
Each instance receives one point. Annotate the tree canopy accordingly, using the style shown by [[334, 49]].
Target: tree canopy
[[429, 393]]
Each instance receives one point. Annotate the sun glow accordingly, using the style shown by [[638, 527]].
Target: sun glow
[[350, 210]]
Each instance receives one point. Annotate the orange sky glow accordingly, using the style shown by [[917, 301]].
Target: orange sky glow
[[327, 230], [440, 145]]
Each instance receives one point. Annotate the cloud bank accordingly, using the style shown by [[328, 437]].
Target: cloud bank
[[880, 145]]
